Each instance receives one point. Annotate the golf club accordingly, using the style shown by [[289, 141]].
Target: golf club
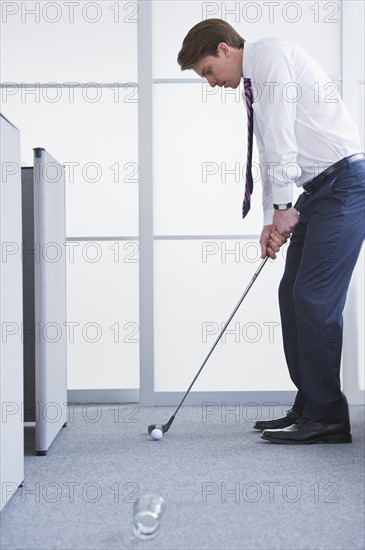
[[165, 427]]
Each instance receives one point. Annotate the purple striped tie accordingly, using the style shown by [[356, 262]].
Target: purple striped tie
[[247, 93]]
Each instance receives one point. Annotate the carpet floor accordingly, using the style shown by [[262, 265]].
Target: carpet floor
[[224, 487]]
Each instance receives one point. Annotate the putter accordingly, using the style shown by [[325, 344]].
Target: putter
[[165, 427]]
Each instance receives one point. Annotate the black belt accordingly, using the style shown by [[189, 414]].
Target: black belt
[[313, 185]]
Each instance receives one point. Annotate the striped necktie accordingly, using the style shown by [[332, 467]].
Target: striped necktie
[[247, 96]]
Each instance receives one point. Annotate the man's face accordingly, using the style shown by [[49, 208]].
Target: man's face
[[223, 70]]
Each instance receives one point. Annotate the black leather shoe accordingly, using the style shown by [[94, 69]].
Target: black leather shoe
[[306, 431], [290, 418]]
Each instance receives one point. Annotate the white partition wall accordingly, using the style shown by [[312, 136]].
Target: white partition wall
[[11, 303], [100, 40], [45, 319], [353, 94], [102, 290], [203, 280], [50, 298], [93, 103], [202, 248], [157, 252], [293, 21]]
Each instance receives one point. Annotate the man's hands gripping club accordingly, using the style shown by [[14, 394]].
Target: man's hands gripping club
[[274, 236]]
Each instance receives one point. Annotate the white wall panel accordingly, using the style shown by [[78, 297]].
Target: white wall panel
[[353, 95], [199, 166], [197, 285], [316, 26], [102, 283], [192, 125], [200, 159], [93, 132], [361, 107], [69, 41], [361, 70], [50, 293], [360, 311], [200, 162], [11, 314], [360, 6]]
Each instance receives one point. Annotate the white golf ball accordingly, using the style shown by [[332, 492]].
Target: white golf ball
[[156, 434]]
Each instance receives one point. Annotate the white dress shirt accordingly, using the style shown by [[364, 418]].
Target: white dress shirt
[[300, 122]]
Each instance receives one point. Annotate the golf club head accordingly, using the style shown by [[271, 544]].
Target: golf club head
[[153, 427], [163, 427]]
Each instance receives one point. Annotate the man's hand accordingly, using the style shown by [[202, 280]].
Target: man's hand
[[270, 241], [276, 242], [274, 236], [285, 220], [266, 249]]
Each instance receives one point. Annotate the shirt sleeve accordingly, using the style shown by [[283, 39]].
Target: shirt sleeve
[[267, 201], [275, 107]]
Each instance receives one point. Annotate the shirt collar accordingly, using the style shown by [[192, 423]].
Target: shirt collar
[[247, 70]]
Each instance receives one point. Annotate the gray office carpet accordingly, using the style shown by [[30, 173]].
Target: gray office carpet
[[225, 488]]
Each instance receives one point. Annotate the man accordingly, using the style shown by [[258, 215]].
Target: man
[[307, 138]]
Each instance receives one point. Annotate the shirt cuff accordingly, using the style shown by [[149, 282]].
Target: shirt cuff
[[282, 194]]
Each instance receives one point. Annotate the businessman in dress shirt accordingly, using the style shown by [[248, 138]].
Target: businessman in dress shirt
[[306, 138]]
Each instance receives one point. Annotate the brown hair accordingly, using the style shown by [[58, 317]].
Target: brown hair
[[203, 40]]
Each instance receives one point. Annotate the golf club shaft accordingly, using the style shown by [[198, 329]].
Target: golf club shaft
[[299, 203], [223, 329]]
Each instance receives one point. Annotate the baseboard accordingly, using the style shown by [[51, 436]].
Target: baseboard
[[172, 399], [225, 398], [103, 396], [194, 398]]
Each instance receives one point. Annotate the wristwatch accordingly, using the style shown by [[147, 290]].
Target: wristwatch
[[283, 206]]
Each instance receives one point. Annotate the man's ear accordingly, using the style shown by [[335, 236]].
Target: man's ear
[[224, 48]]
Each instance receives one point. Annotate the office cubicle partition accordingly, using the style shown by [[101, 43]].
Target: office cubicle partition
[[11, 347], [44, 264]]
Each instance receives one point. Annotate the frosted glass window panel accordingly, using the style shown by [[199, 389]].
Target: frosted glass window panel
[[292, 21], [69, 41], [200, 141], [93, 131], [102, 315], [197, 285]]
